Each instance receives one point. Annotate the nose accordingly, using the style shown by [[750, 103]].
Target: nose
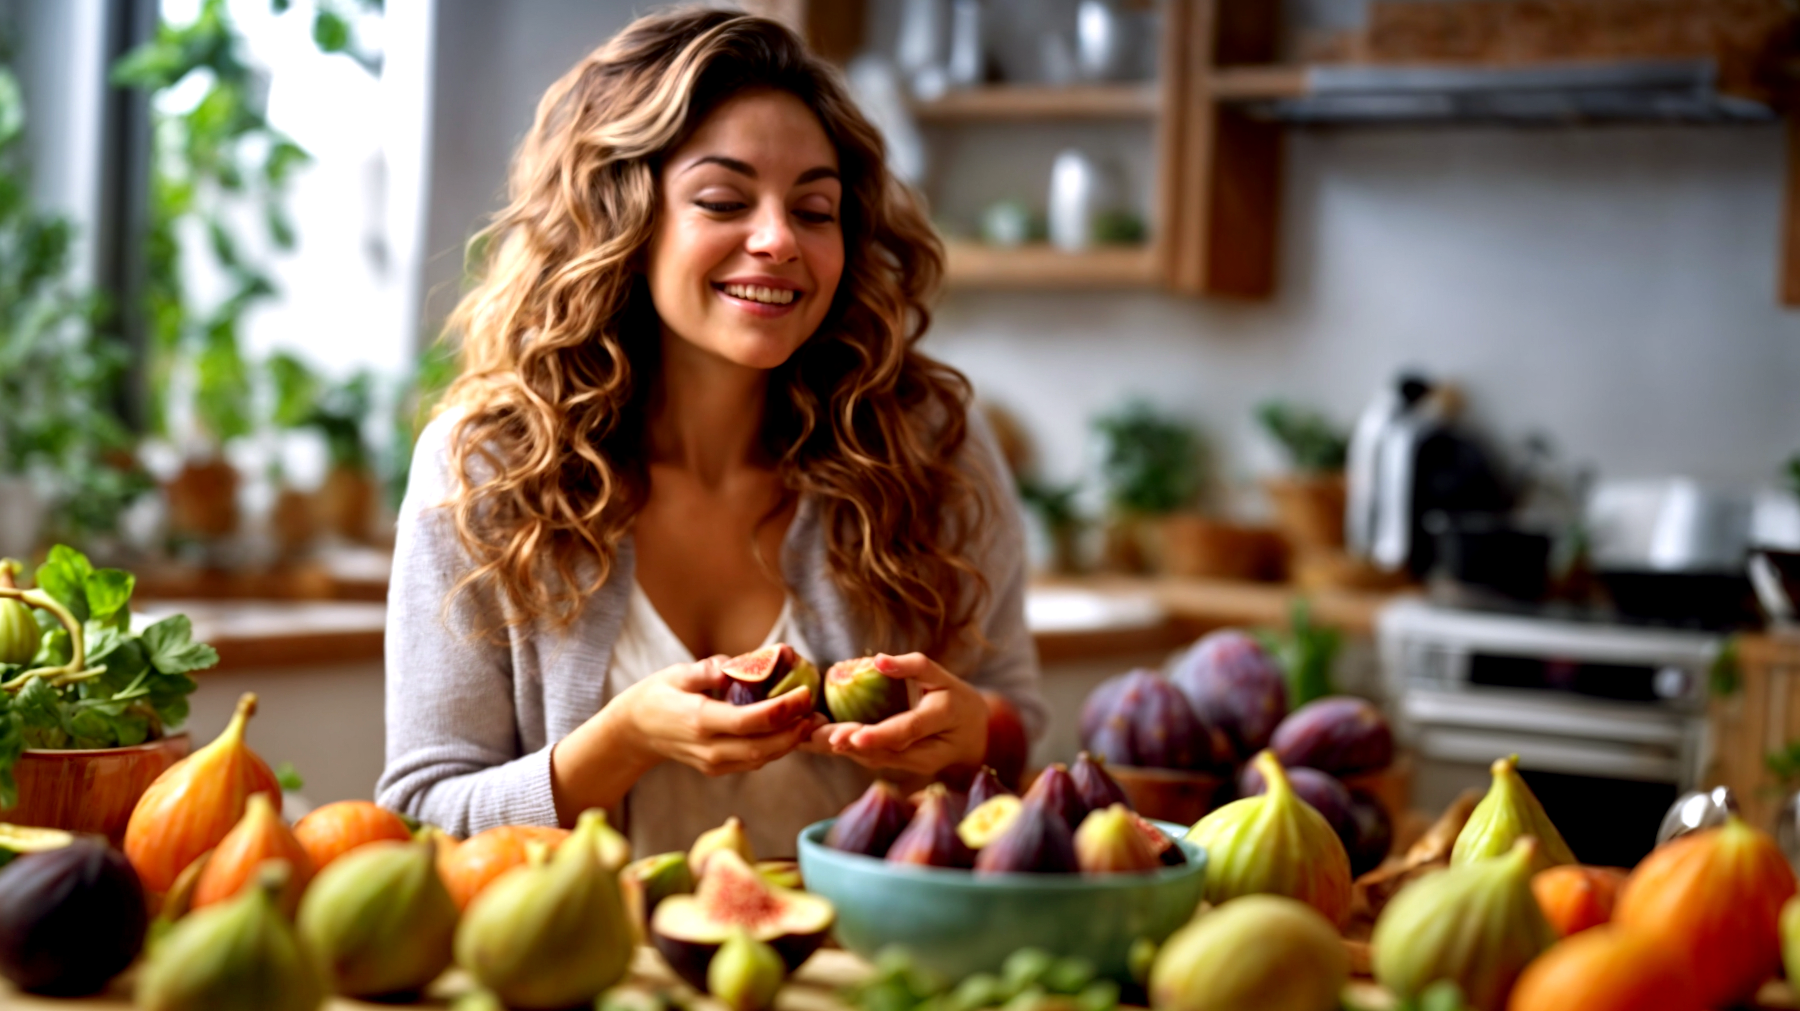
[[772, 235]]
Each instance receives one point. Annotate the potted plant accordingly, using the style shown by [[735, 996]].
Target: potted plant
[[1309, 500], [89, 709], [1055, 509], [345, 503]]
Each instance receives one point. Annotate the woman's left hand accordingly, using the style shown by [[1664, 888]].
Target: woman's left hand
[[947, 727]]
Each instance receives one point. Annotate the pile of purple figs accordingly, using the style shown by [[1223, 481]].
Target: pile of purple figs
[[1224, 700], [1073, 819]]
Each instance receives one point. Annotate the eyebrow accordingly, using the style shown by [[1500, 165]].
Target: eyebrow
[[748, 170]]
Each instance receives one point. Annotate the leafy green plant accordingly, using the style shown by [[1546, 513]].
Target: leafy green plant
[[336, 411], [1314, 445], [1151, 463], [1305, 652], [93, 683]]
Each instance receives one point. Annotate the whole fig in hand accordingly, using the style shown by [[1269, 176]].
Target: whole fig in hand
[[1055, 789], [1139, 719], [1235, 685], [857, 692], [1509, 812], [239, 955], [1257, 953], [769, 672], [1476, 925], [549, 934], [1339, 734], [1275, 844], [71, 918], [379, 920], [1094, 785], [746, 974], [1038, 841], [871, 824], [1109, 842], [931, 839]]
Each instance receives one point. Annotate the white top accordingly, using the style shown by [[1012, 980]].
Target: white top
[[674, 803]]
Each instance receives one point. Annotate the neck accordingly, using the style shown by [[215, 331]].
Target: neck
[[706, 416]]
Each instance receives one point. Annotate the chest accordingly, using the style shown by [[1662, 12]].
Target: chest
[[709, 558]]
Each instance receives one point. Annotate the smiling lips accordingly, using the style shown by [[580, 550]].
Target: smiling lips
[[759, 293]]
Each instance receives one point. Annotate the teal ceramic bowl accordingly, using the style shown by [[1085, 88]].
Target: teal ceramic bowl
[[957, 923]]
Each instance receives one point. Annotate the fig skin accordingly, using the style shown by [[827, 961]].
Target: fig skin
[[1235, 685], [729, 836], [240, 955], [984, 787], [645, 883], [746, 974], [1257, 953], [379, 920], [71, 919], [1374, 835], [258, 837], [1324, 792], [781, 668], [1109, 842], [1037, 842], [857, 692], [1275, 843], [1509, 812], [871, 824], [1094, 785], [688, 930], [1477, 925], [1139, 719], [1340, 734], [930, 840], [1055, 789]]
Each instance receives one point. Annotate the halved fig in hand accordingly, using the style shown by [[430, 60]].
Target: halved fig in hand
[[688, 929], [769, 672]]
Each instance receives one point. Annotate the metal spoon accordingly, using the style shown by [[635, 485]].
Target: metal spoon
[[1697, 810]]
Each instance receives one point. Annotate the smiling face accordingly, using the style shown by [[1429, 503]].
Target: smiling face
[[748, 246]]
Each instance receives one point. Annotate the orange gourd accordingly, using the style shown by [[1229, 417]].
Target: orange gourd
[[469, 866], [1715, 896], [259, 837], [1574, 897], [1607, 968], [191, 806], [337, 828]]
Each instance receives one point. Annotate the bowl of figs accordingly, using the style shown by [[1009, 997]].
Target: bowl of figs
[[962, 880]]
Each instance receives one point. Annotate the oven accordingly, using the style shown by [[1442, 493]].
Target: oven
[[1608, 720]]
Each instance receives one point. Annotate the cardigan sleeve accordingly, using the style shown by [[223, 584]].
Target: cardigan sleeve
[[453, 729]]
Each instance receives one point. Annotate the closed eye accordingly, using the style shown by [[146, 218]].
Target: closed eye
[[815, 217], [727, 207]]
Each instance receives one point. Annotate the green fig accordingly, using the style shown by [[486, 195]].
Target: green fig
[[379, 920], [729, 836], [611, 846], [1109, 842], [1790, 938], [1510, 810], [746, 973], [857, 692], [238, 954], [1275, 843], [647, 882], [1476, 925], [1257, 953], [550, 933], [19, 632]]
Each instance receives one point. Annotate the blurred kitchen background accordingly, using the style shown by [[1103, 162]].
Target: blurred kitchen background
[[1451, 345]]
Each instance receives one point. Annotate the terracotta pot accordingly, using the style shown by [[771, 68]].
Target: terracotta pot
[[346, 503], [1170, 794], [1188, 544], [90, 791], [203, 500], [1309, 509]]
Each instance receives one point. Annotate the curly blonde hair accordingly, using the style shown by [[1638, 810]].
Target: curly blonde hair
[[560, 347]]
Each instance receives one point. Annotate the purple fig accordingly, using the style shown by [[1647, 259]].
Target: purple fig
[[871, 824], [931, 839], [1235, 685], [1094, 785], [1055, 789], [1373, 836], [1037, 842], [1109, 842], [985, 787], [857, 692], [1340, 734], [70, 918], [956, 803], [768, 672], [1139, 719], [1325, 793]]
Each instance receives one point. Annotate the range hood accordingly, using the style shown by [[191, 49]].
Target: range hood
[[1680, 91]]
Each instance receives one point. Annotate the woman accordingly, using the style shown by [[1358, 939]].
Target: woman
[[692, 421]]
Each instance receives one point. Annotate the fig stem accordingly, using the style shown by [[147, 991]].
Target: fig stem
[[9, 572], [75, 669]]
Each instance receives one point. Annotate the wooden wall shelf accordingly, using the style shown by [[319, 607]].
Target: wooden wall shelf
[[1014, 102], [973, 265]]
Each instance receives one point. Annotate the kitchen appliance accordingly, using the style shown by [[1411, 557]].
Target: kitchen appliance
[[1674, 551], [1608, 720], [1079, 192]]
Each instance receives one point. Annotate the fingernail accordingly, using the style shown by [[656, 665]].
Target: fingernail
[[885, 664]]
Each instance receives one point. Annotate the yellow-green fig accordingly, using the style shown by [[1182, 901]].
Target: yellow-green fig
[[646, 882], [746, 973], [1790, 939], [611, 846], [1476, 925], [1276, 844], [1109, 842], [1508, 812], [550, 933], [238, 955], [1257, 953], [729, 836], [379, 921]]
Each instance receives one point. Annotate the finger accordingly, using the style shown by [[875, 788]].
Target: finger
[[916, 667], [730, 752], [838, 734], [927, 756], [767, 716], [899, 732], [700, 677]]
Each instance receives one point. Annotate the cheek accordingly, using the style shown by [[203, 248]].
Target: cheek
[[825, 255], [679, 259]]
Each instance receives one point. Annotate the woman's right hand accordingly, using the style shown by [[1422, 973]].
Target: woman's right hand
[[671, 716]]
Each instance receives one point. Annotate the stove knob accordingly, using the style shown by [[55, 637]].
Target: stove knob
[[1672, 683]]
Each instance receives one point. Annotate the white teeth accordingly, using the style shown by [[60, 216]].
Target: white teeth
[[758, 293]]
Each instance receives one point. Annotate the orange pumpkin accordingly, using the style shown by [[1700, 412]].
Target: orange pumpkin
[[1714, 896], [467, 867], [336, 829], [1574, 897], [195, 802], [1607, 968], [260, 836]]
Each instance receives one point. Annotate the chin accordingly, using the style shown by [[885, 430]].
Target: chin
[[759, 350]]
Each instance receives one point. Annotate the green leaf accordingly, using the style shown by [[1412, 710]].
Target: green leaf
[[12, 745], [91, 728], [37, 704], [108, 591], [12, 108], [331, 31], [64, 576], [289, 777], [172, 650], [54, 649]]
